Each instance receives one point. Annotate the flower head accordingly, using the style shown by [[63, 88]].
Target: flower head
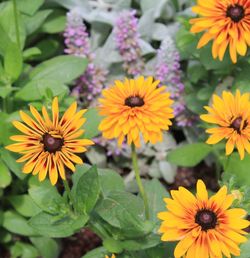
[[135, 107], [205, 227], [113, 256], [49, 145], [76, 36], [167, 70], [227, 23], [232, 115], [127, 42]]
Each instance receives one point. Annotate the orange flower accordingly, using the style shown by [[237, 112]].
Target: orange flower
[[133, 108], [47, 145], [113, 256], [227, 23], [205, 227], [232, 115]]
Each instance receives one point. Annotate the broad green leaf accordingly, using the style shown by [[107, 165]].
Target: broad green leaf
[[23, 250], [64, 69], [36, 89], [155, 193], [55, 23], [46, 197], [57, 226], [86, 191], [245, 250], [52, 249], [17, 224], [112, 245], [29, 6], [92, 123], [109, 180], [33, 23], [125, 212], [7, 21], [5, 176], [13, 62], [5, 236], [189, 155], [238, 168], [4, 40], [48, 48], [96, 253], [30, 52], [24, 205], [10, 161]]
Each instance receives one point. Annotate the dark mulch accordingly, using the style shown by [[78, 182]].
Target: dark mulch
[[79, 244]]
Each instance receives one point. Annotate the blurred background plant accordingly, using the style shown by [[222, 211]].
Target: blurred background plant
[[76, 48]]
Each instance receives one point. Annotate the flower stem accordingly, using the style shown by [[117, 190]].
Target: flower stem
[[67, 189], [138, 180], [16, 24]]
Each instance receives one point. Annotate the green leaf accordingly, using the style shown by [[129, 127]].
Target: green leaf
[[4, 40], [57, 226], [92, 123], [55, 23], [189, 155], [96, 253], [10, 161], [24, 205], [13, 62], [7, 21], [206, 58], [155, 192], [86, 191], [30, 52], [23, 250], [125, 212], [196, 72], [5, 176], [33, 23], [36, 89], [112, 245], [64, 69], [238, 168], [52, 249], [245, 250], [46, 197], [15, 223], [29, 6]]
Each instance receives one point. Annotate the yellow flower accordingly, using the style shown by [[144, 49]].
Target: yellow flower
[[232, 115], [113, 256], [225, 22], [47, 145], [133, 108], [204, 226]]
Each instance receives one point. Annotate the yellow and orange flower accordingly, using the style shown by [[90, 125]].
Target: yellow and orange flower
[[135, 107], [205, 227], [232, 115], [50, 145], [113, 256], [227, 23]]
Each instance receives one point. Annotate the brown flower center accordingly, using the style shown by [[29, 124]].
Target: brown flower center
[[235, 12], [236, 124], [207, 219], [134, 101], [52, 144]]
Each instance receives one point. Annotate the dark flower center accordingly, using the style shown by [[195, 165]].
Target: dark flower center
[[134, 101], [236, 124], [206, 219], [52, 144], [235, 12]]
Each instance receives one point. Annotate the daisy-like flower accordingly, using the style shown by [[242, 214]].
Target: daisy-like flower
[[135, 107], [205, 227], [113, 256], [49, 145], [232, 115], [225, 22]]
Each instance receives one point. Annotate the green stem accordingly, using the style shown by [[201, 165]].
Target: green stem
[[16, 24], [138, 180], [67, 189]]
